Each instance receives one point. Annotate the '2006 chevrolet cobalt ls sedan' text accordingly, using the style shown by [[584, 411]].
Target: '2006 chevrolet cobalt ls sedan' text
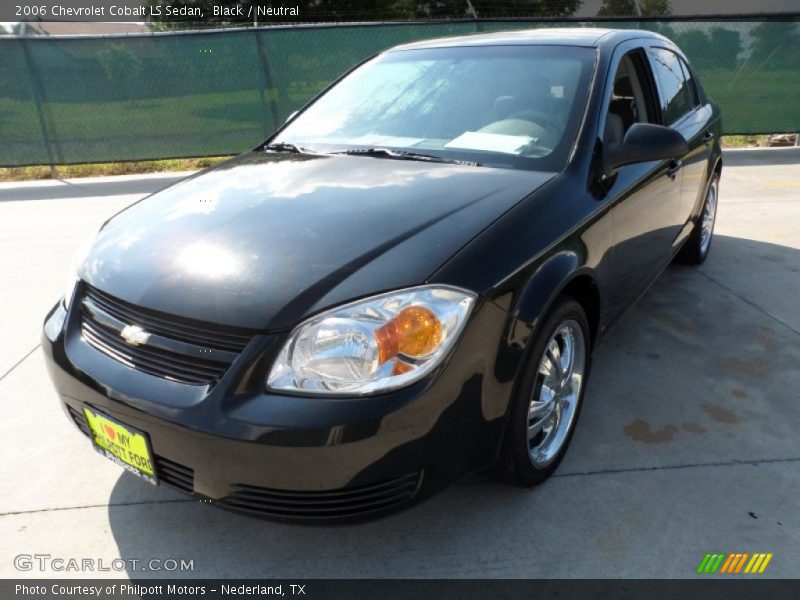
[[403, 285]]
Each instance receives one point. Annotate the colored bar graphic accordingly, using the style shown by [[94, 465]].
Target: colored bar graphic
[[749, 567], [711, 563], [757, 564], [715, 567], [764, 564], [701, 568], [733, 563], [729, 562], [741, 562]]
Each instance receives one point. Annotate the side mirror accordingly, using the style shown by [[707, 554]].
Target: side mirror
[[644, 142]]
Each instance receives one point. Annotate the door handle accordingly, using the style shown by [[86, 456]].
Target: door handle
[[674, 167], [708, 136]]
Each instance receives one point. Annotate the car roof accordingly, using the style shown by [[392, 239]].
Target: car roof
[[591, 37]]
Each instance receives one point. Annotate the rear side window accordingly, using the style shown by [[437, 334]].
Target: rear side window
[[676, 96], [693, 87]]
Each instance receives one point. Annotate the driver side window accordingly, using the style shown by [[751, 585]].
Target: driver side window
[[628, 104]]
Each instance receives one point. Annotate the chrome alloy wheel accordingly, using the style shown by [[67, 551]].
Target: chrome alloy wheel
[[709, 214], [556, 393]]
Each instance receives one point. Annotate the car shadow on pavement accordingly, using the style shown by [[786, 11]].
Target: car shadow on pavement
[[687, 383]]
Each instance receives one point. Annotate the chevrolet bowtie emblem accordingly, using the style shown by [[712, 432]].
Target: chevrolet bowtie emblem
[[134, 335]]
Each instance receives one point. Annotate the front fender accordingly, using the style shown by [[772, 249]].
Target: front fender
[[530, 302]]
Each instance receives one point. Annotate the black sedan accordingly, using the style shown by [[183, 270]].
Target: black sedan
[[402, 286]]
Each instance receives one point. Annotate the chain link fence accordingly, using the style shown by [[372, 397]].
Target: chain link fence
[[202, 93]]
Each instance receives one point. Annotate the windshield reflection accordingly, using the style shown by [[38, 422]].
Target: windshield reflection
[[516, 104]]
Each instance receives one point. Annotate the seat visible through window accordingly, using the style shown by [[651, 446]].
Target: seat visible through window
[[627, 105]]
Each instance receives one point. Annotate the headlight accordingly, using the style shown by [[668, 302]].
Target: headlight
[[372, 345], [78, 257]]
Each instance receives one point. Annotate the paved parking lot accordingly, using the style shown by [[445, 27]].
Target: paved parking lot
[[688, 442]]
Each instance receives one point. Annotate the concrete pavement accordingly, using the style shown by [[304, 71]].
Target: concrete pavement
[[688, 442]]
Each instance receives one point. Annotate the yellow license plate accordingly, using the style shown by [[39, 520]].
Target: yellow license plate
[[124, 445]]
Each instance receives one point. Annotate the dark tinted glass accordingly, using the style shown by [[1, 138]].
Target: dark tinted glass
[[692, 82], [676, 96]]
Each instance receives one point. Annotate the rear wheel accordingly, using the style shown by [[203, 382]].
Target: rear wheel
[[695, 250], [548, 397]]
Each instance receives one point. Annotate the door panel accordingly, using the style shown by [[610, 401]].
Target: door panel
[[645, 197], [694, 128], [644, 217]]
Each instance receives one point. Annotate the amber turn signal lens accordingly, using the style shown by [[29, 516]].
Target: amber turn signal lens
[[400, 367], [415, 331]]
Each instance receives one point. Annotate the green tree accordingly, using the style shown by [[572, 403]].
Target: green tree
[[122, 68], [727, 45], [661, 27], [618, 8], [654, 8], [719, 49], [776, 45], [697, 46]]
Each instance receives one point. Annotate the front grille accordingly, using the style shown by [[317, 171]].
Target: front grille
[[347, 502], [174, 474], [157, 362], [169, 472], [178, 349], [209, 335], [79, 420]]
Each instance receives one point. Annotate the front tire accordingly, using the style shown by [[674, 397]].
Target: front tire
[[695, 249], [548, 397]]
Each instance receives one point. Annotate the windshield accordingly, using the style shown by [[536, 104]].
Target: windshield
[[503, 106]]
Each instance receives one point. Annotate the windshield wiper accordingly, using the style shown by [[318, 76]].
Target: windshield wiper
[[404, 155], [287, 147]]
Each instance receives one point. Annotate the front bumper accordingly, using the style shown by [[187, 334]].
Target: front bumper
[[293, 457]]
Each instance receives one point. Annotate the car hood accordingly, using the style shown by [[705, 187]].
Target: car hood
[[265, 239]]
